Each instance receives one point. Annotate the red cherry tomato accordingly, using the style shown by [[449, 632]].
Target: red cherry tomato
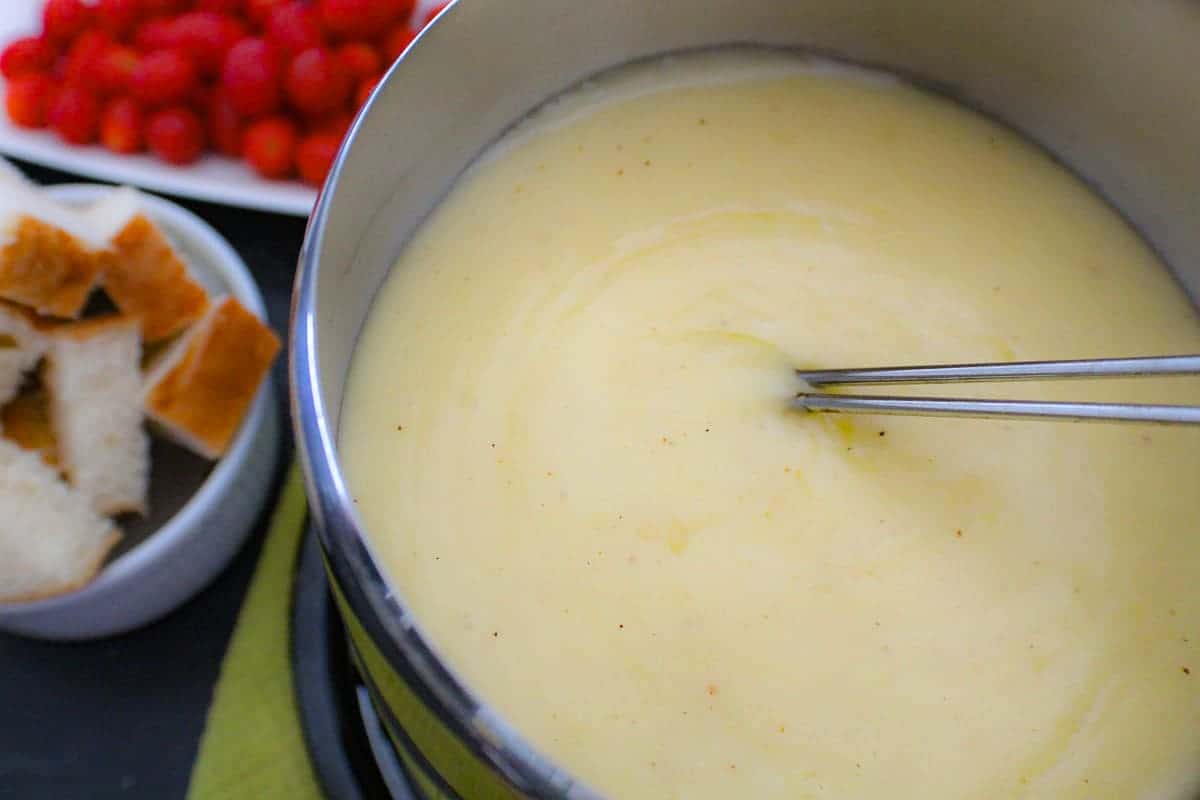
[[269, 146], [360, 19], [360, 59], [115, 68], [163, 8], [122, 126], [365, 87], [175, 135], [293, 28], [224, 125], [74, 114], [335, 124], [25, 55], [155, 34], [233, 8], [163, 77], [118, 17], [81, 64], [252, 77], [314, 156], [259, 11], [65, 19], [316, 82], [397, 41], [206, 37], [27, 99]]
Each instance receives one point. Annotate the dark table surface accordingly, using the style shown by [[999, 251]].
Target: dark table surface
[[122, 717]]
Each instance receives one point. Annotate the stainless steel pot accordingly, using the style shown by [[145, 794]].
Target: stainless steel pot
[[1113, 88]]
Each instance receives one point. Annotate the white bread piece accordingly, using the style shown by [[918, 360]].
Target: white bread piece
[[51, 541], [147, 277], [51, 256], [25, 197], [201, 387], [21, 348], [107, 216], [93, 376]]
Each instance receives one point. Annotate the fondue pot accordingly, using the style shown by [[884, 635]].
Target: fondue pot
[[1112, 89]]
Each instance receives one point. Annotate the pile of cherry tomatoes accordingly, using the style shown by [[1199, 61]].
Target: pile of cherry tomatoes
[[274, 82]]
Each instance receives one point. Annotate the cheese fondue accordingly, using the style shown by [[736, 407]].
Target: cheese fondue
[[567, 429]]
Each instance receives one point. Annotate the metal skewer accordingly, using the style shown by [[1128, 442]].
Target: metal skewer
[[1028, 370]]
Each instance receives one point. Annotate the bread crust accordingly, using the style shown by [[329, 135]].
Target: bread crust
[[148, 279], [46, 268], [85, 329], [200, 391]]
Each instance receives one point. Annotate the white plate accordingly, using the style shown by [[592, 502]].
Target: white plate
[[214, 178]]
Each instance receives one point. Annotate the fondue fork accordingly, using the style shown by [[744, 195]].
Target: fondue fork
[[809, 400]]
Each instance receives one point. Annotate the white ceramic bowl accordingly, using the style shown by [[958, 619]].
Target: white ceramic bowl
[[200, 513]]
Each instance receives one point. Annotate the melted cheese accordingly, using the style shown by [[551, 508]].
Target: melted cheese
[[568, 432]]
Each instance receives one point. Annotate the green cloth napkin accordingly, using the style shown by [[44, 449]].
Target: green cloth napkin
[[253, 746]]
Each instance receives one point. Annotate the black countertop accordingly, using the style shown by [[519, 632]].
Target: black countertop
[[122, 717]]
